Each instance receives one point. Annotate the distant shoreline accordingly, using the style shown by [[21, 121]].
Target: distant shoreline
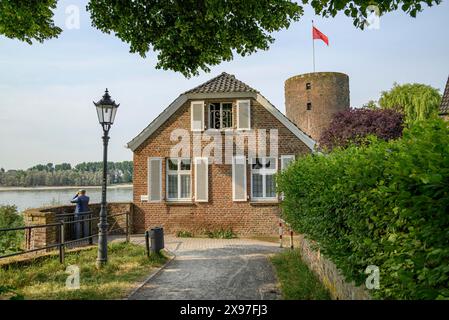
[[43, 188]]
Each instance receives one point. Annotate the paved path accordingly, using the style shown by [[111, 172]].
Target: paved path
[[216, 269]]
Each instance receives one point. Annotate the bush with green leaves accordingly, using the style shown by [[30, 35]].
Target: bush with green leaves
[[221, 234], [381, 203], [10, 241]]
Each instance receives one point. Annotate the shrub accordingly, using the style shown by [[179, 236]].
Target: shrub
[[184, 234], [354, 125], [221, 234], [10, 241], [383, 204]]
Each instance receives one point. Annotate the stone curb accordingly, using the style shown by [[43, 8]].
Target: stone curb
[[152, 275]]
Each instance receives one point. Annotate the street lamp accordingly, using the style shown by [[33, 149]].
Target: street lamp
[[106, 110]]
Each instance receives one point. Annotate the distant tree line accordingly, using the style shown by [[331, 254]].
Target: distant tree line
[[83, 174]]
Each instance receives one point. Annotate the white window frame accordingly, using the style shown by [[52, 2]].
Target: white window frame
[[179, 173], [202, 116], [287, 156], [263, 172], [245, 198], [195, 162], [249, 114], [149, 179], [221, 118]]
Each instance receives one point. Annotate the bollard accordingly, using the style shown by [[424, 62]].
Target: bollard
[[147, 243], [291, 238], [280, 234], [127, 227], [61, 243]]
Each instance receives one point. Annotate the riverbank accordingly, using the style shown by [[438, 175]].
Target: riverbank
[[46, 188]]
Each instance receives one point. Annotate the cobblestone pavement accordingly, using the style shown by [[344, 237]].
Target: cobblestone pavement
[[218, 269]]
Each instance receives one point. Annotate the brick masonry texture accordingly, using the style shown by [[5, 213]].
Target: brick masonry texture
[[328, 94], [244, 218]]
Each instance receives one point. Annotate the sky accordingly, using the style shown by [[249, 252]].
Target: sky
[[46, 90]]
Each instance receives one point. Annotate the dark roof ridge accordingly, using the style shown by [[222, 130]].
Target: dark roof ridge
[[224, 82]]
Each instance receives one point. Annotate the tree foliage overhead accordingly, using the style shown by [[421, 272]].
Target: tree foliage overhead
[[416, 101], [189, 35], [354, 125], [28, 20]]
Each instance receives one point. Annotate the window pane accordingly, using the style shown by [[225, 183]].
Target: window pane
[[185, 186], [257, 185], [185, 164], [270, 185], [214, 116], [226, 115], [172, 186], [173, 164]]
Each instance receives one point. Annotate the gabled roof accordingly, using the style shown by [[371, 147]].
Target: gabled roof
[[225, 82], [444, 107], [222, 86]]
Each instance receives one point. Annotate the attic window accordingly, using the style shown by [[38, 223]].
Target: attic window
[[308, 86], [309, 105], [220, 115]]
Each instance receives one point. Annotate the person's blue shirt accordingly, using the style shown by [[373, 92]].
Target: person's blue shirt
[[82, 203]]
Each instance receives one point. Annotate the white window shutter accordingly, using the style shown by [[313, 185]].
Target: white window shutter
[[243, 114], [154, 179], [239, 178], [197, 115], [201, 179], [286, 161]]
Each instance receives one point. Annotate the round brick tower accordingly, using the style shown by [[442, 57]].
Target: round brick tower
[[312, 98]]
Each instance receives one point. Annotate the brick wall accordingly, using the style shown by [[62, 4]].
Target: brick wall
[[41, 237], [244, 218], [328, 94]]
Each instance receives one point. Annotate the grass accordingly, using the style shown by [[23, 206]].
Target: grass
[[297, 281], [45, 279]]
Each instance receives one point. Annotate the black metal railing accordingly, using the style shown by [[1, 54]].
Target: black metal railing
[[72, 230]]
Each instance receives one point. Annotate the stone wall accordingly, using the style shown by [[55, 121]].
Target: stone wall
[[329, 275], [41, 237], [327, 93]]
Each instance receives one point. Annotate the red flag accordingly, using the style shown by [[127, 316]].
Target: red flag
[[317, 34]]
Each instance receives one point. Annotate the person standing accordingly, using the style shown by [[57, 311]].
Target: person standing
[[81, 209]]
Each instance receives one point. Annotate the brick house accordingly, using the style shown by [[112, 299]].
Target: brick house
[[207, 162]]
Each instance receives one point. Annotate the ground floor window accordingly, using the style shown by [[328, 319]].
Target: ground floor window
[[179, 179], [263, 184]]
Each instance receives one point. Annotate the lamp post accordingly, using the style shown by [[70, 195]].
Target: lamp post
[[106, 110]]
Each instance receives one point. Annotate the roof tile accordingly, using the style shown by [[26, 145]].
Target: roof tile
[[225, 82], [444, 107]]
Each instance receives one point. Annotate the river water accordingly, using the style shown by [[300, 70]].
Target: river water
[[35, 197]]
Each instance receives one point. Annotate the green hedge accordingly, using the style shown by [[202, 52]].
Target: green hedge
[[383, 204]]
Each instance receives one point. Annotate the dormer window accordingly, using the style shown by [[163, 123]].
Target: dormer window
[[220, 115], [308, 86]]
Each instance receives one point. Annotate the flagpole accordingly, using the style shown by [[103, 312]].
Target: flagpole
[[313, 46]]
